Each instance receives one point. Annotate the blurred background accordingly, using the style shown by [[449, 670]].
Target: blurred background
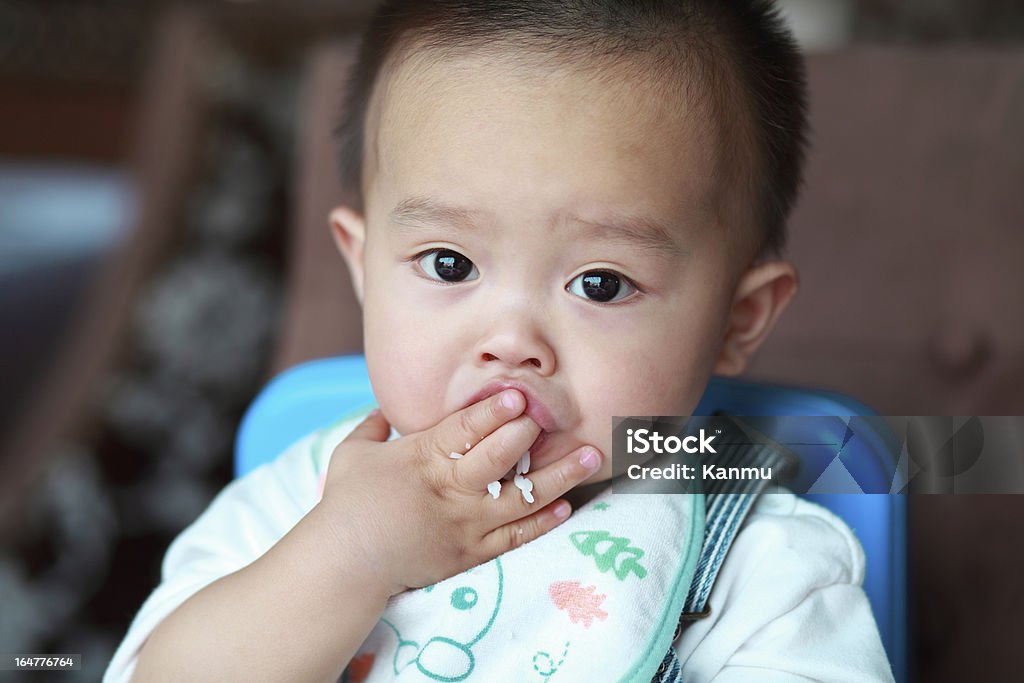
[[165, 174]]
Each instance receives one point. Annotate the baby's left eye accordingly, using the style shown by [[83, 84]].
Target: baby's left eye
[[602, 286], [447, 265]]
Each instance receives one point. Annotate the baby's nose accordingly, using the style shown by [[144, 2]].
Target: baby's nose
[[488, 357], [518, 349]]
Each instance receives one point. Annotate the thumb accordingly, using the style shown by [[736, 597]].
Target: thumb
[[374, 427]]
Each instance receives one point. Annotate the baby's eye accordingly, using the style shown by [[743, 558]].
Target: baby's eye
[[447, 265], [601, 285]]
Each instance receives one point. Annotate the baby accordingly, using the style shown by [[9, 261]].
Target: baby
[[556, 212]]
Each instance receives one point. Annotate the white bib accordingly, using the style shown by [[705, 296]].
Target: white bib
[[596, 599]]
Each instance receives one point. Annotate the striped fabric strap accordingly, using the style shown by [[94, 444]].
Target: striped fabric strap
[[727, 503]]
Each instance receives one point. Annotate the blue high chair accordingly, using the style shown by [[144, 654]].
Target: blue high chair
[[316, 393]]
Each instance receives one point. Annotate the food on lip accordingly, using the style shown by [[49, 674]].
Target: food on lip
[[524, 464], [454, 456], [525, 487], [468, 446]]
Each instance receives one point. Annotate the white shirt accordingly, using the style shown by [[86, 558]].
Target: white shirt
[[787, 604]]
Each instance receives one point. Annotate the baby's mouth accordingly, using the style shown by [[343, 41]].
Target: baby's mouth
[[535, 409]]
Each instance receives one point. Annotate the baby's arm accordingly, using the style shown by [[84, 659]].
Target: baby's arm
[[394, 515], [297, 613]]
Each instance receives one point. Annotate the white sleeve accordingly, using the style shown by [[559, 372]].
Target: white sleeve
[[787, 604], [244, 521]]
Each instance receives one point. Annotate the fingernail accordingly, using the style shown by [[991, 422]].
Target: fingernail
[[589, 458], [374, 413], [561, 510], [510, 400]]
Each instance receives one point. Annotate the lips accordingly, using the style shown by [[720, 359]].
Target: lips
[[535, 407]]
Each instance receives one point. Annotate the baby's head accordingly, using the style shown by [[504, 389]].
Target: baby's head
[[585, 200]]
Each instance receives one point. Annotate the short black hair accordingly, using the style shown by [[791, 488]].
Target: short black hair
[[739, 54]]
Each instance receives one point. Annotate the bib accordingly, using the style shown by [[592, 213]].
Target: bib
[[596, 599]]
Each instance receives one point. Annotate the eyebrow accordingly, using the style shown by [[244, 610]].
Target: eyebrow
[[418, 213], [635, 231], [423, 212]]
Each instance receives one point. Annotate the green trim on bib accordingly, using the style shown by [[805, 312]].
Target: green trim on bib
[[645, 669]]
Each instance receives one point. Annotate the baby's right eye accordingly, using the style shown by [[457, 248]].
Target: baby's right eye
[[447, 266]]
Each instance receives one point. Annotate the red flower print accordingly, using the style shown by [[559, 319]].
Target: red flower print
[[581, 603]]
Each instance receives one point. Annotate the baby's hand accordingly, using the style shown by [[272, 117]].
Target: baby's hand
[[417, 516]]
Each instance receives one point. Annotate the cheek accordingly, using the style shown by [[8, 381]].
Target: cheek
[[406, 367], [646, 390], [644, 378]]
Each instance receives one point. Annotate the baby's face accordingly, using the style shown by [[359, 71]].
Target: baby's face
[[542, 230]]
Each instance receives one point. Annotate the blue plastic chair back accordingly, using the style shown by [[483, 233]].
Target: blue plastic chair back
[[316, 393]]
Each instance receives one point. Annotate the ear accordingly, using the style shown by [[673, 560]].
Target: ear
[[762, 293], [349, 231]]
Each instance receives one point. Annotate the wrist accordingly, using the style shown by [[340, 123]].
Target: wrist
[[350, 556]]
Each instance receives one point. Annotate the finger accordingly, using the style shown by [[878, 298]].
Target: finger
[[496, 454], [374, 427], [473, 423], [548, 483], [526, 529]]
